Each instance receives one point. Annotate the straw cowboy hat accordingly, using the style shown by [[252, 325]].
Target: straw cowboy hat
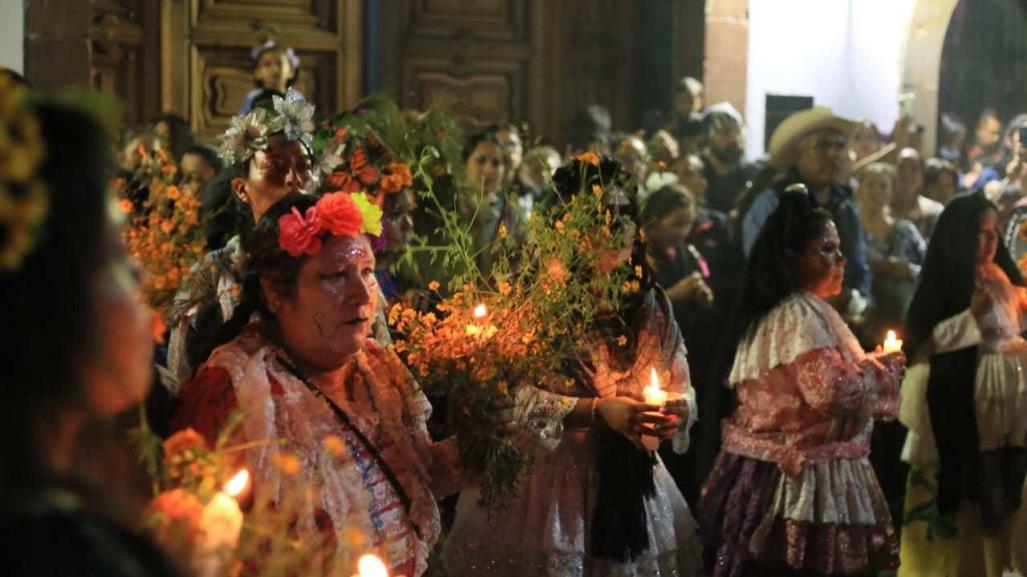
[[786, 137]]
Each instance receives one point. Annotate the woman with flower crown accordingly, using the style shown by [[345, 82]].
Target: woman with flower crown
[[269, 151], [298, 362], [597, 502]]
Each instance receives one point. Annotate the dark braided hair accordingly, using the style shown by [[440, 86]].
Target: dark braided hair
[[768, 279], [770, 276]]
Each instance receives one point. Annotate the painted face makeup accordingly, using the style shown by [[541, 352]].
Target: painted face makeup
[[328, 319], [821, 266]]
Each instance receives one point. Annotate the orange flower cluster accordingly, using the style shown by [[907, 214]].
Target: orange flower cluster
[[188, 460], [462, 343], [396, 177], [165, 239], [364, 164]]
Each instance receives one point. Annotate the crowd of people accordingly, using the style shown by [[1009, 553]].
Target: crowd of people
[[765, 291]]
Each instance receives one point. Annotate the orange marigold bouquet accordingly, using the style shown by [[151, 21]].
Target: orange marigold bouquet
[[209, 518], [519, 327], [164, 233]]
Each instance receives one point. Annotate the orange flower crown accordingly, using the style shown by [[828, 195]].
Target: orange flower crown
[[336, 214], [350, 163]]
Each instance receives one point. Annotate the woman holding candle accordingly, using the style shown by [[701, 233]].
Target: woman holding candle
[[964, 400], [596, 502], [76, 349], [792, 492], [299, 363]]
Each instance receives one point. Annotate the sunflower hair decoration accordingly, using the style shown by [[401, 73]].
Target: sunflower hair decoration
[[292, 116], [23, 199]]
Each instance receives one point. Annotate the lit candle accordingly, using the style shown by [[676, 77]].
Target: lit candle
[[479, 329], [654, 395], [892, 344], [371, 566], [221, 523]]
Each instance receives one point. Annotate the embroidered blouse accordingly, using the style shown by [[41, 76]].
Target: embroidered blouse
[[381, 399], [807, 392]]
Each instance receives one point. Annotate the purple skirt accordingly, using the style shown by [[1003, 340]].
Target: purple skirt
[[736, 501]]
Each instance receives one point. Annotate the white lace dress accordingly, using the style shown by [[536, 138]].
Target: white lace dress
[[545, 529], [1000, 392]]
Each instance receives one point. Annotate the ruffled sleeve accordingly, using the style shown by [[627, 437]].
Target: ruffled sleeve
[[543, 412], [800, 324], [831, 384], [955, 333]]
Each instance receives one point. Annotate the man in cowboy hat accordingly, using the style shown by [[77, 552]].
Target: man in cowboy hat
[[810, 148]]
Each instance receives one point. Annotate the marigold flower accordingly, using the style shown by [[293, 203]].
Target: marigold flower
[[588, 157], [433, 285], [182, 441], [288, 463], [178, 506], [334, 445]]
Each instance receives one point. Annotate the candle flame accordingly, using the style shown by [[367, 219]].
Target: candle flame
[[891, 336], [654, 379], [237, 484], [371, 566], [480, 311]]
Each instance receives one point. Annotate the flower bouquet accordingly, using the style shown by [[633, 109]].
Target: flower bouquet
[[210, 519], [163, 235], [495, 337]]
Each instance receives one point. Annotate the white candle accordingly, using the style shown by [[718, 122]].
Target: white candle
[[221, 523], [891, 343], [654, 395]]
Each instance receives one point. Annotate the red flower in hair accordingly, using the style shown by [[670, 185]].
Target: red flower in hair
[[298, 235], [340, 214]]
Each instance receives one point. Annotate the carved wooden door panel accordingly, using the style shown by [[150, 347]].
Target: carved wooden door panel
[[206, 53], [124, 54], [470, 57], [508, 60]]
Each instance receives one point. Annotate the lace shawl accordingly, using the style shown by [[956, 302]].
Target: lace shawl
[[305, 421], [801, 323]]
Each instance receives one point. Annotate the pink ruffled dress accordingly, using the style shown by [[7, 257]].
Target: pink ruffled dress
[[793, 488]]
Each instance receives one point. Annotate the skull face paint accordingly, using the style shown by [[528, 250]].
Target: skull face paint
[[328, 318]]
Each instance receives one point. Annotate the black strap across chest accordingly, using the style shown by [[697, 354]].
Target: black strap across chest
[[346, 422]]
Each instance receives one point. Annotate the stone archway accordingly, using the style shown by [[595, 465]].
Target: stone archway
[[921, 68]]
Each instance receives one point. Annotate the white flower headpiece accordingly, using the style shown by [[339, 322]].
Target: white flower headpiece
[[292, 116]]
